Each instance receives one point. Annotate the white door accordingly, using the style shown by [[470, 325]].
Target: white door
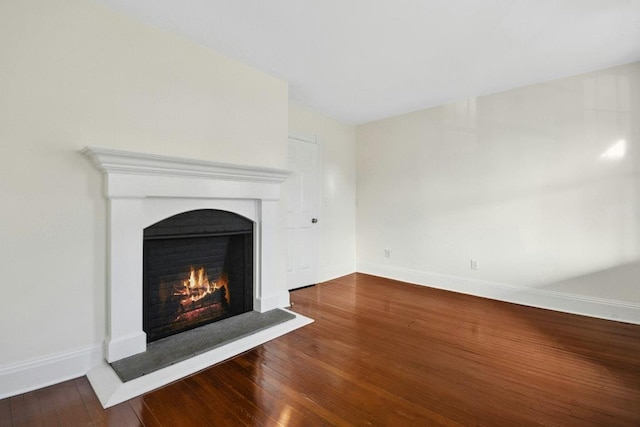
[[302, 192]]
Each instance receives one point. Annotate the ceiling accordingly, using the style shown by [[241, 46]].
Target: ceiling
[[363, 60]]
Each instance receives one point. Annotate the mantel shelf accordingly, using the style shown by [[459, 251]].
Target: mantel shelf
[[118, 161]]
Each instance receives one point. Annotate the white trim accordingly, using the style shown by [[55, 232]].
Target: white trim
[[111, 390], [22, 377], [314, 139], [542, 298], [279, 300], [304, 137], [320, 204], [109, 160], [121, 347]]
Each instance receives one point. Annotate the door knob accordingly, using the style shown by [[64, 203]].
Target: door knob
[[314, 220]]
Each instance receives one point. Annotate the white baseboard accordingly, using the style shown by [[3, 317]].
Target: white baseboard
[[22, 377], [542, 298], [271, 302], [126, 346]]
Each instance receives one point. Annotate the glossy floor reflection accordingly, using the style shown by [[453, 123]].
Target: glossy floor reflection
[[386, 353]]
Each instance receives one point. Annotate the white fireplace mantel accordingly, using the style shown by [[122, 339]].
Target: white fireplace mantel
[[143, 189], [118, 161]]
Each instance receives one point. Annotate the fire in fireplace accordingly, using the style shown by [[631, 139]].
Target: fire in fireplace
[[197, 268], [199, 295]]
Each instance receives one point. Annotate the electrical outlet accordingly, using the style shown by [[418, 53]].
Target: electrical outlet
[[387, 253], [474, 264]]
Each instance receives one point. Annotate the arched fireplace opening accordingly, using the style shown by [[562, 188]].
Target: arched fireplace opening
[[197, 269]]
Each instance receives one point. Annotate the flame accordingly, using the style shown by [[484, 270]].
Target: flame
[[198, 286], [223, 282]]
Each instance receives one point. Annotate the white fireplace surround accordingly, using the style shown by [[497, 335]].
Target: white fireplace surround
[[143, 189]]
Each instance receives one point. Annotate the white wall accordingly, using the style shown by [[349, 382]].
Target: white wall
[[338, 188], [514, 180], [75, 74]]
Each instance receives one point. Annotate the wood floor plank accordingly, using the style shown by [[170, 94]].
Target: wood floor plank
[[382, 352], [96, 414], [264, 407], [304, 411], [324, 391], [257, 392], [5, 413], [70, 406], [144, 414], [177, 404], [386, 407], [219, 398], [25, 410], [48, 404], [120, 415]]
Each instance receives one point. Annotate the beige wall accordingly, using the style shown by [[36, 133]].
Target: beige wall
[[337, 211], [74, 74], [516, 181]]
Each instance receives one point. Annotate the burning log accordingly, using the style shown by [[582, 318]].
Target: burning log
[[198, 287]]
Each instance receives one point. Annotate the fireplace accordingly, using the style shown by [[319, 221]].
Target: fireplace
[[147, 189], [197, 269], [145, 193]]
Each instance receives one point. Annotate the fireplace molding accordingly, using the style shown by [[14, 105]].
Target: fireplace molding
[[143, 189], [118, 161]]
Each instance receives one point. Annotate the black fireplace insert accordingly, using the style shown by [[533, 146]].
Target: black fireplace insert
[[197, 269]]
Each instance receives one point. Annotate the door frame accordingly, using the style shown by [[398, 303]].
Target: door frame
[[314, 139]]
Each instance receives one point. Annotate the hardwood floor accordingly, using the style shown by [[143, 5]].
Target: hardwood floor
[[387, 353]]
